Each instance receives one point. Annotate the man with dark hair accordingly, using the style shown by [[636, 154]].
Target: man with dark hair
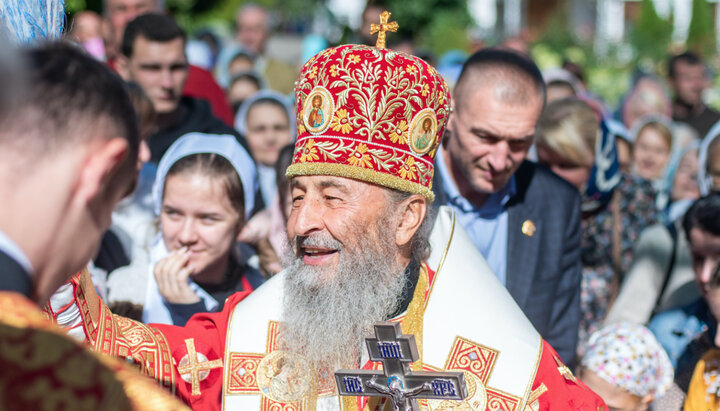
[[75, 123], [523, 219], [688, 78], [68, 151], [153, 56], [200, 82]]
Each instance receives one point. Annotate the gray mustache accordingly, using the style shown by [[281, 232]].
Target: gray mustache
[[321, 240]]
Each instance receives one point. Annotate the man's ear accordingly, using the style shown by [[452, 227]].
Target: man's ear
[[414, 210], [103, 159], [122, 66]]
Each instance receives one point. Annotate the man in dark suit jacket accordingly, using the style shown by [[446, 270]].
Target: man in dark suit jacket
[[522, 217]]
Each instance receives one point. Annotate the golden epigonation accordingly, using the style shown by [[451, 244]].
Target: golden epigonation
[[528, 228], [382, 28]]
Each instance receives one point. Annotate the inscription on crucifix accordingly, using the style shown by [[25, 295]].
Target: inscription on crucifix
[[396, 381]]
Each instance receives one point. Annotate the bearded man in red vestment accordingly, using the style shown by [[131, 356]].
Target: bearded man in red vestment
[[360, 234]]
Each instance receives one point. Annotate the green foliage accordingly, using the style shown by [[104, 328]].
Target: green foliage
[[74, 6], [701, 34], [192, 14], [439, 25], [650, 35]]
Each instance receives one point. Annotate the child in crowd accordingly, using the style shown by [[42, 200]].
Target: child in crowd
[[626, 366]]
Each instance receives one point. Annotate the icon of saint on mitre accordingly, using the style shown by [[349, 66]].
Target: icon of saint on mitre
[[424, 131], [318, 110]]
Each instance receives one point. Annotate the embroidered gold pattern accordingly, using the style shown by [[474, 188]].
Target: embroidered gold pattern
[[195, 366]]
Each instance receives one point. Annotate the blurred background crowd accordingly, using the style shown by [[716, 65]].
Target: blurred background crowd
[[630, 121]]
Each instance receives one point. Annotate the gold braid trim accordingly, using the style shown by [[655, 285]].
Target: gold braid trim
[[358, 173]]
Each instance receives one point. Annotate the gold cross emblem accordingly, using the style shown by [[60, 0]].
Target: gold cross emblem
[[195, 366], [382, 28]]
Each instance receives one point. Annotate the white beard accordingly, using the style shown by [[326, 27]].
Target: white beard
[[326, 316]]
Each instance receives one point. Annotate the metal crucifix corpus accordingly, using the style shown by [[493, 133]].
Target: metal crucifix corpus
[[397, 351]]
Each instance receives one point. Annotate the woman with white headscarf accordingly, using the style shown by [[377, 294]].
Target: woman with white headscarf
[[203, 194], [268, 123]]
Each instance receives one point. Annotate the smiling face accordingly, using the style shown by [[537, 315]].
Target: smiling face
[[651, 152], [328, 216], [345, 235], [197, 214], [489, 139]]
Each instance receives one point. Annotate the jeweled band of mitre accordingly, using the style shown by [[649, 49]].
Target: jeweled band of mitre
[[370, 114]]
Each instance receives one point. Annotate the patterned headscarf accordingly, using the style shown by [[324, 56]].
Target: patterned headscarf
[[629, 357], [605, 174]]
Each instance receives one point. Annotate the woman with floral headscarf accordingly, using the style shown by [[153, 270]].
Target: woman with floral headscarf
[[626, 366]]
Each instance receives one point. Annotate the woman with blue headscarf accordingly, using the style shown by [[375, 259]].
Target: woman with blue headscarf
[[579, 147]]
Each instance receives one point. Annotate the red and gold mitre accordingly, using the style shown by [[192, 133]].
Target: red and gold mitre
[[370, 114]]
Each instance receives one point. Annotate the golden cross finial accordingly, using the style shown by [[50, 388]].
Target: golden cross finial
[[382, 28], [195, 367]]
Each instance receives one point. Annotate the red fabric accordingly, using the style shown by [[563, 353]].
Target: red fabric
[[563, 393], [201, 84], [209, 331]]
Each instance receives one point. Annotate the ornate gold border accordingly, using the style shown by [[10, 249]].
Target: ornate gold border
[[357, 173], [528, 391]]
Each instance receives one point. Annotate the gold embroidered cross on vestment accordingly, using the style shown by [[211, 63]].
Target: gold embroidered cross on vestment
[[196, 367]]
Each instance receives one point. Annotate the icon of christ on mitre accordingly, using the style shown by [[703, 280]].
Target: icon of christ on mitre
[[364, 249]]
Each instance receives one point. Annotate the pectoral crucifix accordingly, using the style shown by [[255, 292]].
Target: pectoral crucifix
[[382, 28], [397, 351]]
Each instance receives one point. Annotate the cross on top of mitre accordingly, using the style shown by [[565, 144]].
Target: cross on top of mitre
[[382, 28]]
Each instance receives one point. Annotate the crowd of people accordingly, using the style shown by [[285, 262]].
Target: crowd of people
[[213, 178]]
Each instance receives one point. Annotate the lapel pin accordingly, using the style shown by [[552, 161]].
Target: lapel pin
[[528, 228]]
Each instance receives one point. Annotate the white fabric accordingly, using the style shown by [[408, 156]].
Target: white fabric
[[703, 180], [70, 319], [8, 246], [155, 309], [224, 145], [466, 300]]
